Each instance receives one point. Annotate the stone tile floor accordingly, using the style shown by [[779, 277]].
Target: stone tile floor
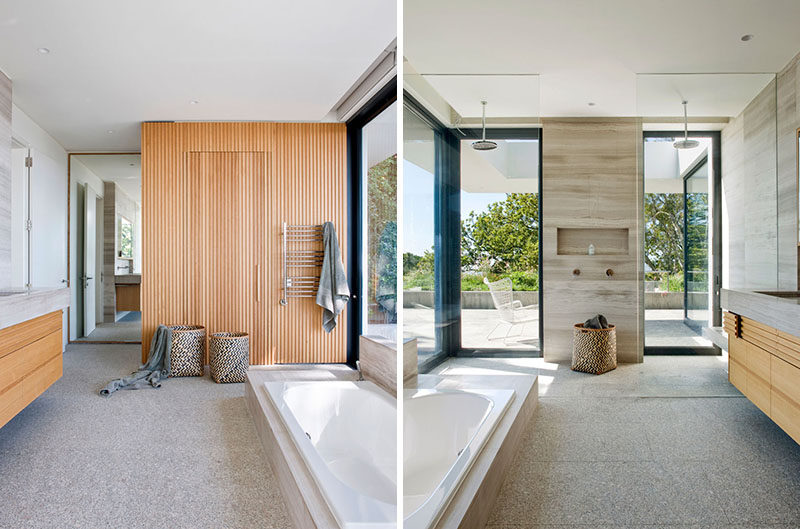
[[667, 443], [182, 456]]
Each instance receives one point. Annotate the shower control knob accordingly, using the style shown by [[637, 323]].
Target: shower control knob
[[609, 272], [576, 272]]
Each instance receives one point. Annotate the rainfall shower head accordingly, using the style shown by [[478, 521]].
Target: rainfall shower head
[[686, 143], [483, 144]]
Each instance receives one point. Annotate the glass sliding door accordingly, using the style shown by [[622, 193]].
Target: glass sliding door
[[696, 238], [379, 225], [419, 180], [682, 225], [500, 245]]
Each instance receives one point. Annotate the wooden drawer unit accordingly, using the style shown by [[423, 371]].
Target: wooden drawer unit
[[30, 361], [128, 297], [764, 364], [737, 362], [757, 388], [785, 409]]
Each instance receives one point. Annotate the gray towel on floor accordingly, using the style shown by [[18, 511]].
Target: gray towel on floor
[[333, 292], [152, 371]]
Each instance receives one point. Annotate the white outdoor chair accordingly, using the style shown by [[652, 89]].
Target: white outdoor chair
[[512, 312]]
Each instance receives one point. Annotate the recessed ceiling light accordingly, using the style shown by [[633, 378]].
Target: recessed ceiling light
[[110, 131], [194, 102], [747, 37], [43, 51], [591, 103]]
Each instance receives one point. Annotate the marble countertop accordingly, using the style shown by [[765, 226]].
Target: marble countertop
[[128, 279], [18, 305], [778, 309]]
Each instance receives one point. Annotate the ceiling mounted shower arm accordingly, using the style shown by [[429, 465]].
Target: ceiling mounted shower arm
[[483, 120]]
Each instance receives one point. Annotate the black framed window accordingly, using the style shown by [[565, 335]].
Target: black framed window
[[454, 237], [683, 242], [372, 218], [500, 214]]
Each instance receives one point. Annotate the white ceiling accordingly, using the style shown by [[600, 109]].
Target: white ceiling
[[113, 65], [588, 51], [513, 167], [505, 95], [124, 169]]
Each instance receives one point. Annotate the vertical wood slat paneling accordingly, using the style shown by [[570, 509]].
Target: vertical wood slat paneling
[[214, 196]]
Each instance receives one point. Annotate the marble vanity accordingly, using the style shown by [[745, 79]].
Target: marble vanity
[[763, 330], [31, 345]]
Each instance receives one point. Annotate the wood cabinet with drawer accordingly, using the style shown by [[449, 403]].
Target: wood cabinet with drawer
[[764, 364], [128, 297], [30, 362]]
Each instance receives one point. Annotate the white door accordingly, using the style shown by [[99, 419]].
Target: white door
[[89, 257]]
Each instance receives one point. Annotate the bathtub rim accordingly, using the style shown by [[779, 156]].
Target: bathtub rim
[[433, 512], [308, 453]]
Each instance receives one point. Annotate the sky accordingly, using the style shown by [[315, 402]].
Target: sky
[[418, 207]]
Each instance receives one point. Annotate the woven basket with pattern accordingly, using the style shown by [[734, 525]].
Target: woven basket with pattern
[[188, 350], [594, 350], [229, 356]]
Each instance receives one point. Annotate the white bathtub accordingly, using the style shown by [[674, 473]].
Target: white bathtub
[[347, 434], [443, 433]]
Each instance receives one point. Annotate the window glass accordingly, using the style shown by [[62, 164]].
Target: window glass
[[379, 235]]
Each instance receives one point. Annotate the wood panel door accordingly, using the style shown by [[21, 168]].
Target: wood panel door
[[227, 245]]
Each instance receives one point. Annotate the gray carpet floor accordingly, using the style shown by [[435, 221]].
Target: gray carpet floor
[[185, 455], [664, 444]]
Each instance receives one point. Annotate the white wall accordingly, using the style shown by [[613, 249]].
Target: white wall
[[49, 244]]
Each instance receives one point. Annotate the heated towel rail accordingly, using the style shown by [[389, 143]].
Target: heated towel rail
[[302, 260]]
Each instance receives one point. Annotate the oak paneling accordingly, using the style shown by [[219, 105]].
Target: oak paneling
[[214, 197]]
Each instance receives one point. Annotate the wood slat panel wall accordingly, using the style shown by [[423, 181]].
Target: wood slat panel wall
[[214, 197]]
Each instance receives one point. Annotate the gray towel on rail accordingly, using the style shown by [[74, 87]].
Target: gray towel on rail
[[333, 292], [152, 371]]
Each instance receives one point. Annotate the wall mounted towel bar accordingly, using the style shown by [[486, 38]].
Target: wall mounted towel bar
[[302, 259]]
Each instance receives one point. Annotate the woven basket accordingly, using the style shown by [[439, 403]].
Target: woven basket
[[188, 350], [229, 356], [594, 350]]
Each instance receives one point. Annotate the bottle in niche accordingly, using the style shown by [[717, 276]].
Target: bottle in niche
[[591, 249]]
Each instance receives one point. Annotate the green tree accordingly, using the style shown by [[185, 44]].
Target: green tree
[[503, 238], [663, 243], [382, 237]]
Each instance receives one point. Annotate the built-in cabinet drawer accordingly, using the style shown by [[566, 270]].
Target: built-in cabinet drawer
[[764, 364], [757, 387], [30, 361], [785, 409], [737, 362]]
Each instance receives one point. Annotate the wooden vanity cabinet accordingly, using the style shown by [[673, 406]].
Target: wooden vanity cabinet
[[764, 364], [30, 362]]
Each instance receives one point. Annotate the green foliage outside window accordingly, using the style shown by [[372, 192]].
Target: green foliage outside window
[[125, 237]]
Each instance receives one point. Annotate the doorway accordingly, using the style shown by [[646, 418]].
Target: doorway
[[682, 215], [105, 264]]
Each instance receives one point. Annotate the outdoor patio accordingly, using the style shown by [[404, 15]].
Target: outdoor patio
[[483, 329]]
